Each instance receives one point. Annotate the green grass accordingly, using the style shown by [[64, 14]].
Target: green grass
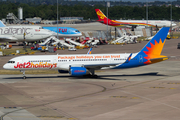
[[21, 51], [13, 72], [141, 38], [176, 34]]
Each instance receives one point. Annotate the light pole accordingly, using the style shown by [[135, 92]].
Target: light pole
[[171, 19], [57, 19], [25, 42], [147, 11], [147, 18], [108, 5]]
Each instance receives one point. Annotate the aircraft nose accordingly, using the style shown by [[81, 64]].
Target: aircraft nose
[[53, 33], [8, 66], [5, 66], [46, 34], [79, 34], [49, 34]]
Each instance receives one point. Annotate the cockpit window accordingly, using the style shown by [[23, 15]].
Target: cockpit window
[[11, 61], [77, 30]]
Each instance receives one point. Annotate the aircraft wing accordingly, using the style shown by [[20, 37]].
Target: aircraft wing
[[99, 66], [90, 50], [3, 38]]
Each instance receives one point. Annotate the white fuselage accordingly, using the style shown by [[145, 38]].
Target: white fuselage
[[16, 33], [158, 23], [86, 64], [63, 62]]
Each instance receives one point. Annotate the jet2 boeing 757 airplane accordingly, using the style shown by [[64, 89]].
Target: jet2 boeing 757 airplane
[[86, 64], [132, 23]]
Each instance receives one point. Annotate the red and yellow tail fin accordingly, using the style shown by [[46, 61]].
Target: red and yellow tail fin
[[152, 50], [100, 14], [103, 19]]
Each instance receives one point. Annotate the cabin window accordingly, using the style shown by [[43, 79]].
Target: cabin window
[[11, 61], [40, 61]]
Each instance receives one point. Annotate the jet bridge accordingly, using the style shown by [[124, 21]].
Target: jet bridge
[[126, 38], [55, 41], [11, 18], [120, 33], [47, 41], [75, 43], [86, 34], [62, 42]]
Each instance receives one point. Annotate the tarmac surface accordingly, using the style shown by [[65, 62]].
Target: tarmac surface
[[144, 93], [93, 26]]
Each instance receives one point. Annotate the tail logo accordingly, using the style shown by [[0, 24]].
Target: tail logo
[[154, 50], [102, 16]]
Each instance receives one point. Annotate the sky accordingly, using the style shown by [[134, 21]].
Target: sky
[[147, 0], [131, 0]]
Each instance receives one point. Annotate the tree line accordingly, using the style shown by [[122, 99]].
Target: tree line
[[49, 12]]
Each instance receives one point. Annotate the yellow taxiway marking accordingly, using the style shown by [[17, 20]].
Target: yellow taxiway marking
[[157, 87], [173, 83], [135, 98], [118, 96], [172, 88]]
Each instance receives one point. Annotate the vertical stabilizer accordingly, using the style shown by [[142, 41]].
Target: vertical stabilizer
[[102, 18], [2, 24], [151, 52], [153, 49], [100, 14]]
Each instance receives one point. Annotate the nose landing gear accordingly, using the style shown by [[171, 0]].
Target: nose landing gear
[[24, 77]]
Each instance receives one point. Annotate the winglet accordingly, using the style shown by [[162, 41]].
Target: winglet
[[129, 58], [2, 24], [90, 50]]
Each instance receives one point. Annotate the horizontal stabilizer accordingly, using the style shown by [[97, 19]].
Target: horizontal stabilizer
[[155, 60], [2, 24]]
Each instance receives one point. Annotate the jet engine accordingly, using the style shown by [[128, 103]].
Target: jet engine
[[78, 71]]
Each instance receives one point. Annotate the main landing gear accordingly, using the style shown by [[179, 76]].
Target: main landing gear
[[91, 74], [24, 77]]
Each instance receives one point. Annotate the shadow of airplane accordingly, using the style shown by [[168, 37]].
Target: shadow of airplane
[[106, 77], [115, 76], [143, 74]]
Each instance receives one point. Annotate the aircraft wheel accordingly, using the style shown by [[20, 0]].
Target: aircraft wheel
[[94, 76], [24, 77]]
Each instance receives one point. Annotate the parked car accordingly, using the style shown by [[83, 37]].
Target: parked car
[[72, 49]]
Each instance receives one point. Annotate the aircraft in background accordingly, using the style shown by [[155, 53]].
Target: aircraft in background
[[64, 31], [34, 33], [86, 64], [84, 41], [132, 23], [16, 33]]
